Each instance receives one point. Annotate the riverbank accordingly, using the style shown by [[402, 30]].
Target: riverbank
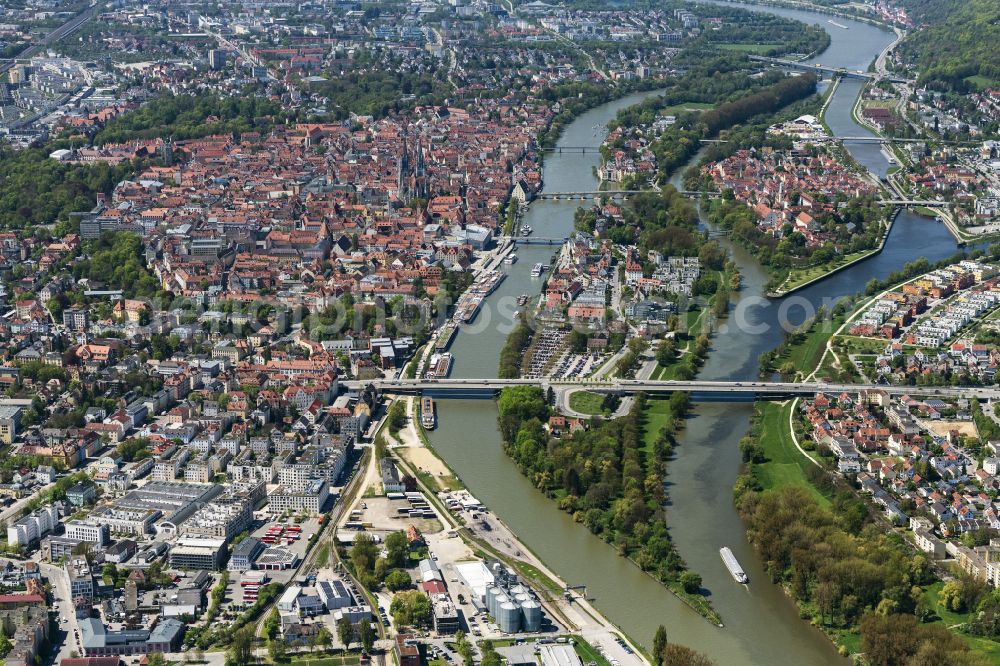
[[780, 465], [571, 608], [811, 7], [763, 627], [807, 277]]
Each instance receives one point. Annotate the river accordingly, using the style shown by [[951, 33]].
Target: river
[[762, 624]]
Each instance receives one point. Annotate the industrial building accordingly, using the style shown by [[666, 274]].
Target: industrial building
[[98, 641], [512, 604], [334, 594], [192, 553], [175, 501], [445, 617], [277, 559], [407, 650], [188, 602], [555, 654]]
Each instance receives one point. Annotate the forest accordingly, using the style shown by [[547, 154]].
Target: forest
[[116, 261], [187, 117], [379, 93], [848, 574], [36, 190], [664, 221], [737, 97], [605, 476], [958, 50]]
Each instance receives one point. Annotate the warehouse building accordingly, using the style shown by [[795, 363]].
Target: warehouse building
[[98, 641]]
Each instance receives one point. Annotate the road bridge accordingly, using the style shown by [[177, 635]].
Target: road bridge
[[592, 194], [833, 71], [708, 390], [597, 194], [916, 202]]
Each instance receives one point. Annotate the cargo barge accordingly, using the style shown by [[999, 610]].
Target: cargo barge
[[734, 567]]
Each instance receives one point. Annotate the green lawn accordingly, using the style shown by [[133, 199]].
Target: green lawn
[[586, 402], [981, 81], [800, 276], [806, 356], [785, 465], [653, 420], [343, 660], [757, 49]]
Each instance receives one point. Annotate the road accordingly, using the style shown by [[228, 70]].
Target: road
[[61, 596], [15, 509], [756, 390]]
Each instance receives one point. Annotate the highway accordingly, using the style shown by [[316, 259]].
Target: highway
[[761, 390]]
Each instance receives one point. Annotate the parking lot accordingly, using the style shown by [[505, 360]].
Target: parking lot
[[577, 365]]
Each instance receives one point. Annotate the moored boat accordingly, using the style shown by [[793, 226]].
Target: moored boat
[[428, 419]]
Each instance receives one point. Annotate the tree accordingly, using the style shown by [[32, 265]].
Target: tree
[[364, 553], [345, 632], [366, 635], [277, 649], [273, 623], [240, 652], [397, 580], [156, 659], [397, 549], [678, 655], [397, 417], [659, 643], [411, 608], [324, 638], [691, 582]]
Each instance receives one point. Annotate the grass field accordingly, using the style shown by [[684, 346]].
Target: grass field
[[807, 355], [785, 465], [685, 106], [653, 420], [586, 402], [981, 81], [757, 49]]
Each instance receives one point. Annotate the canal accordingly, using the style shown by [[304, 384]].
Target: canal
[[762, 624]]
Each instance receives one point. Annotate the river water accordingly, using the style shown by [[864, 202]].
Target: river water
[[762, 625]]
